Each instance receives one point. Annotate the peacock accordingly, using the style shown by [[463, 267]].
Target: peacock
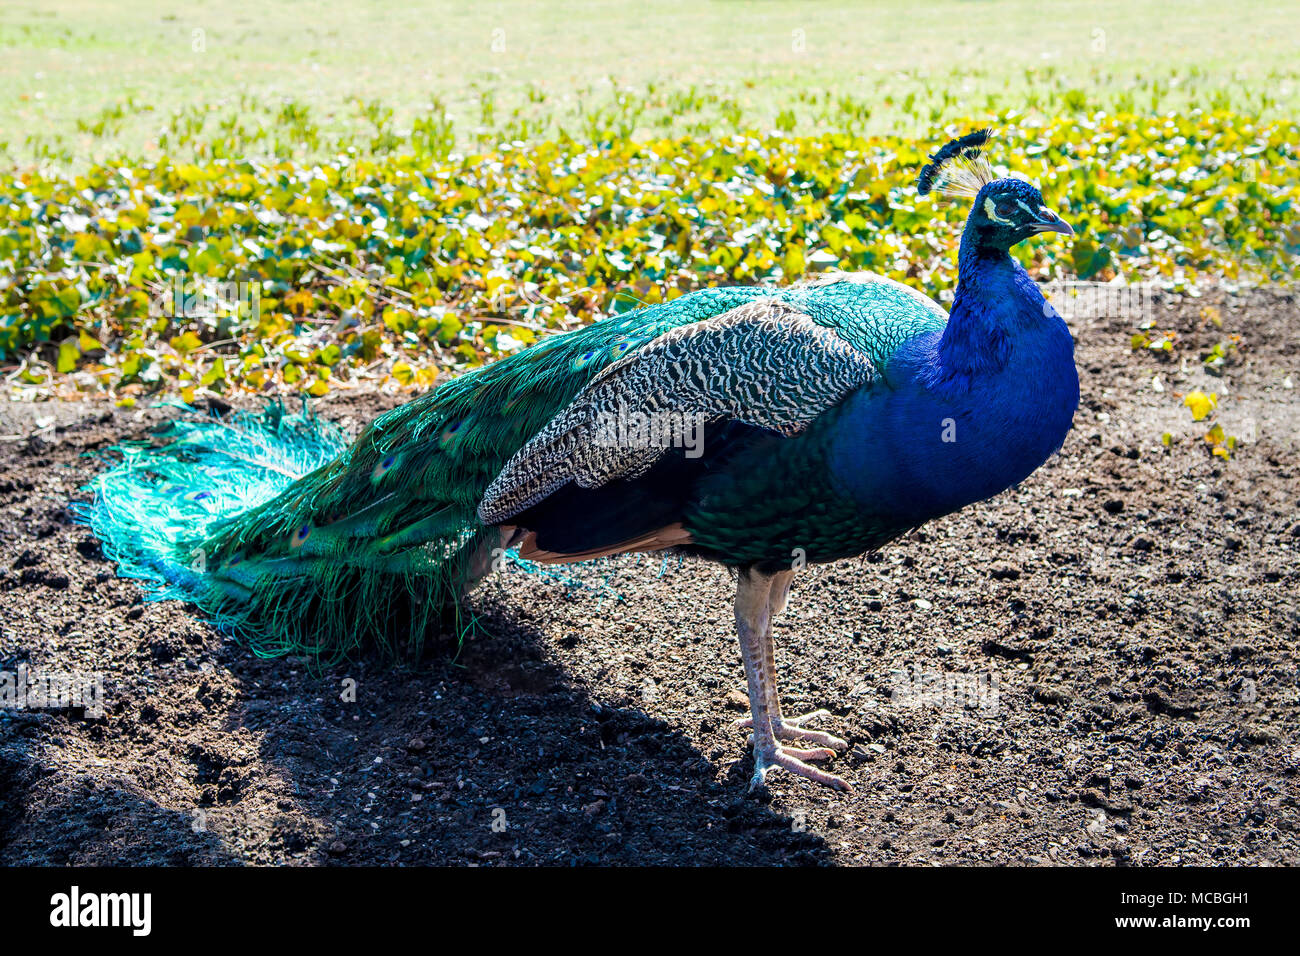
[[765, 428]]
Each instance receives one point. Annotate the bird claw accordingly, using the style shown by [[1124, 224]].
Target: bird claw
[[792, 759], [791, 728]]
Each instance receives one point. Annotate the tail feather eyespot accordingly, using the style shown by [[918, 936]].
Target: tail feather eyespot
[[383, 467], [299, 537], [449, 432]]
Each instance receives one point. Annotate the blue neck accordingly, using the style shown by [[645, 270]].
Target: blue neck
[[988, 308], [976, 252]]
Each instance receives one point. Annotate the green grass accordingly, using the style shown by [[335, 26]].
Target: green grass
[[84, 80]]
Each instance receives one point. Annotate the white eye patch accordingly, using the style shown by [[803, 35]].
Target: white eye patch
[[988, 211]]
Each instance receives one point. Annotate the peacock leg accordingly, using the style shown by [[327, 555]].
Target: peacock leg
[[787, 728], [753, 623], [487, 554]]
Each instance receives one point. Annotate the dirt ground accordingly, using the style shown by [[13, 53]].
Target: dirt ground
[[1133, 606]]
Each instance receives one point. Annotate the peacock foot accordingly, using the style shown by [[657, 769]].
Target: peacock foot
[[792, 728], [792, 759]]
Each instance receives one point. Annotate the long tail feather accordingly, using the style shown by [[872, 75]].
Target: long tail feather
[[155, 508], [166, 513]]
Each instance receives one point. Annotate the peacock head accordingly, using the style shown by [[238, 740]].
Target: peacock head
[[1005, 211]]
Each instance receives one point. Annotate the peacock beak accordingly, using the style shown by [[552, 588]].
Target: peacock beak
[[1049, 221]]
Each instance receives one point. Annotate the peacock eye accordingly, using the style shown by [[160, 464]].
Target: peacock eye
[[1003, 209]]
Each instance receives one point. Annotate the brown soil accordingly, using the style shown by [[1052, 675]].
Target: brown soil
[[1136, 604]]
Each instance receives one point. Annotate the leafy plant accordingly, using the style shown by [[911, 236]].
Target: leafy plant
[[428, 260]]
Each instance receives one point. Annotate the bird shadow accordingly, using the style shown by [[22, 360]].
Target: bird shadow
[[491, 753], [486, 752]]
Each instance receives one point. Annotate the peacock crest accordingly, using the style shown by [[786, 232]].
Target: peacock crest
[[959, 169]]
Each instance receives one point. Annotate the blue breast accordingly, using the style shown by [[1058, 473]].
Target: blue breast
[[964, 413]]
